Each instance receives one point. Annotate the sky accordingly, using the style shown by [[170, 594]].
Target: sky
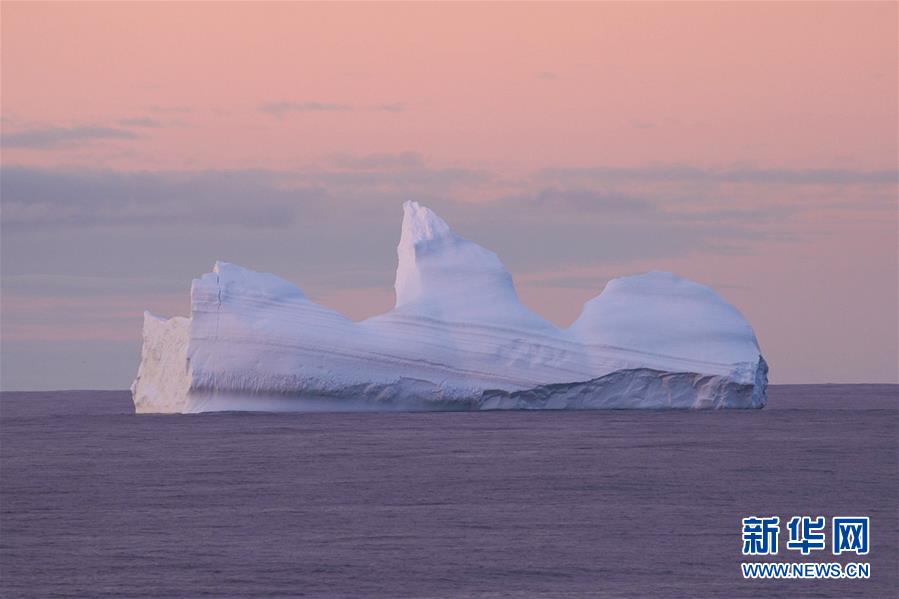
[[749, 146]]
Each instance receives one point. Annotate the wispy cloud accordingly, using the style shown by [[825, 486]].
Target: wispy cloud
[[402, 160], [734, 175], [169, 109], [578, 201], [52, 137], [282, 109], [140, 122], [409, 180], [390, 107], [358, 183], [34, 197]]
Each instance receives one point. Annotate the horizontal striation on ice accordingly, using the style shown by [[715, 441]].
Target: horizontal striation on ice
[[628, 389], [458, 339]]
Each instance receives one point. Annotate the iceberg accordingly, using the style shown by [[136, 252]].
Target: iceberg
[[457, 339]]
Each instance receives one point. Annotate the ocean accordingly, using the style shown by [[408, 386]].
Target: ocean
[[98, 502]]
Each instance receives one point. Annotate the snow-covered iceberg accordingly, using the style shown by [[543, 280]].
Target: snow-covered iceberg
[[458, 339]]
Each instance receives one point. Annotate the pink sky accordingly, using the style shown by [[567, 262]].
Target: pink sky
[[778, 120], [504, 85]]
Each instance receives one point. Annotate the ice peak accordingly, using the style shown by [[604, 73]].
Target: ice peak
[[421, 224], [434, 262], [444, 276], [423, 234]]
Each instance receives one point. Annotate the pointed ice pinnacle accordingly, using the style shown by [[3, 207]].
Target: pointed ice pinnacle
[[422, 233], [442, 275], [437, 267]]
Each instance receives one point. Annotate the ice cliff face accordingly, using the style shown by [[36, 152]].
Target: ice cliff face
[[458, 339]]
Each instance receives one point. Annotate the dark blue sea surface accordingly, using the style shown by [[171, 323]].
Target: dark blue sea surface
[[98, 502]]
